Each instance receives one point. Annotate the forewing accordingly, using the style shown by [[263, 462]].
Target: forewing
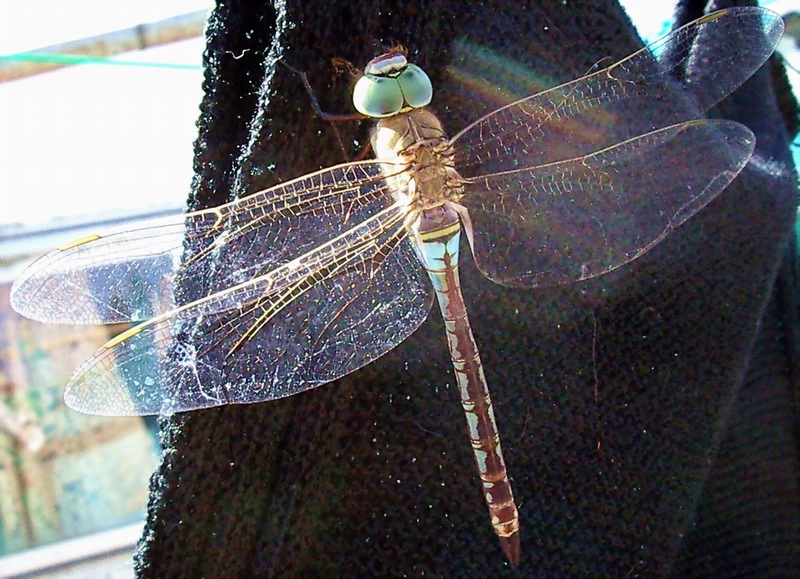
[[116, 278], [572, 220], [634, 96], [133, 275], [308, 322]]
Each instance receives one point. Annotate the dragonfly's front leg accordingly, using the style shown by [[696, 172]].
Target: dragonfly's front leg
[[331, 118], [437, 234]]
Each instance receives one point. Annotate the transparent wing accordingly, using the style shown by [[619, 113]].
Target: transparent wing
[[133, 275], [634, 96], [310, 321], [117, 278], [576, 219]]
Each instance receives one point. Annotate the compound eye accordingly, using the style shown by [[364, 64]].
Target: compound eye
[[378, 96], [416, 86]]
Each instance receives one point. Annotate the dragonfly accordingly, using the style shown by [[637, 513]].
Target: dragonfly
[[314, 278]]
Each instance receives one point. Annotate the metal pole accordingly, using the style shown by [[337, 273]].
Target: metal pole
[[139, 37]]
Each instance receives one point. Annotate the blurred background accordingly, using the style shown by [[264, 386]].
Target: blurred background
[[102, 143]]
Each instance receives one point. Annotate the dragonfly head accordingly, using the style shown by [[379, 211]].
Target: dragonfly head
[[391, 85]]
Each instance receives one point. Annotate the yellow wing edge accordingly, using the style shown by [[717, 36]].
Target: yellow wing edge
[[77, 242]]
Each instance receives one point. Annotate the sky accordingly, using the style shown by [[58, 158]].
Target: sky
[[96, 137], [104, 139]]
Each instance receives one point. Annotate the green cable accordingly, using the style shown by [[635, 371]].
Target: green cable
[[81, 59]]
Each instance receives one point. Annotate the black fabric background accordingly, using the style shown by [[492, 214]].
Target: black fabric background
[[649, 418]]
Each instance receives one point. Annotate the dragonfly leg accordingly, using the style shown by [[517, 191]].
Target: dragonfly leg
[[330, 118]]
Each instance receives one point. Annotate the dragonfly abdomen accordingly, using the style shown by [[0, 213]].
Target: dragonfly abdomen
[[438, 235]]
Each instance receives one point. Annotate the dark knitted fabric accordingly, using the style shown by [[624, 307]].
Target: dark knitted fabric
[[649, 418]]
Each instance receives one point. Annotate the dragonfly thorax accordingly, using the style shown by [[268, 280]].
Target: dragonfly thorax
[[423, 170]]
